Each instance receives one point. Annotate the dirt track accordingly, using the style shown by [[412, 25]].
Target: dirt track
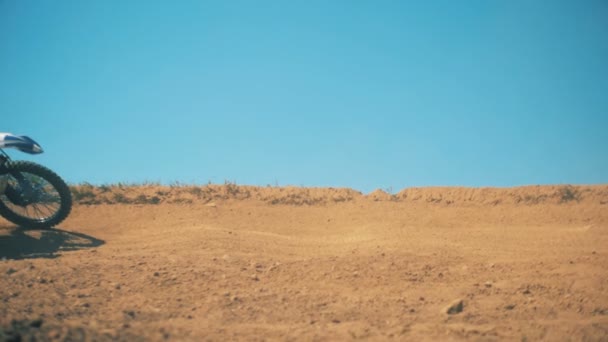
[[319, 265]]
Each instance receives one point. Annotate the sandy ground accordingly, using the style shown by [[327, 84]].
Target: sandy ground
[[434, 264]]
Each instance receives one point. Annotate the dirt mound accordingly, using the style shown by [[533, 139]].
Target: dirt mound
[[380, 195], [308, 196], [156, 194], [554, 194]]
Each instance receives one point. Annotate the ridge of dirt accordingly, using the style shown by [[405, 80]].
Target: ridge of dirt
[[380, 195], [553, 194], [156, 194]]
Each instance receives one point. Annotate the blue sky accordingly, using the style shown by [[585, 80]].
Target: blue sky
[[362, 94]]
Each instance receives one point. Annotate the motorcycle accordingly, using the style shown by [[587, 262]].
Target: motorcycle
[[31, 195]]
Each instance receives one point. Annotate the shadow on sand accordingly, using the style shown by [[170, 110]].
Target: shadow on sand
[[20, 243]]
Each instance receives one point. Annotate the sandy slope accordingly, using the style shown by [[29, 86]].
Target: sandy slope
[[314, 264]]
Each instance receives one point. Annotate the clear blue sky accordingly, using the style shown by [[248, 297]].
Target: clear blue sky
[[362, 94]]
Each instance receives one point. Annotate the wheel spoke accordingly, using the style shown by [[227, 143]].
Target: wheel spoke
[[50, 210], [41, 215]]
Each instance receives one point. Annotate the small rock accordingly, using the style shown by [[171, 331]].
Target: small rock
[[156, 274], [454, 307], [487, 284], [10, 271], [335, 320], [509, 306], [117, 286], [255, 277]]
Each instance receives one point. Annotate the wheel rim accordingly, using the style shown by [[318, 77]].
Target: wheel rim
[[43, 201]]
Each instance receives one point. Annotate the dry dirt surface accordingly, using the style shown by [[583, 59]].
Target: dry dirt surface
[[244, 263]]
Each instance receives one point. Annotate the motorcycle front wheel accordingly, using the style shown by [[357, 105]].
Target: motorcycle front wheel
[[33, 196]]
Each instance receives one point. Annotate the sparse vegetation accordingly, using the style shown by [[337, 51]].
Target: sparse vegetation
[[143, 199], [231, 188], [534, 199], [82, 193], [568, 193], [104, 188], [196, 191], [121, 198], [182, 201]]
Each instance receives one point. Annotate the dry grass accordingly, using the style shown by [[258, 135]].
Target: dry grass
[[569, 193]]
